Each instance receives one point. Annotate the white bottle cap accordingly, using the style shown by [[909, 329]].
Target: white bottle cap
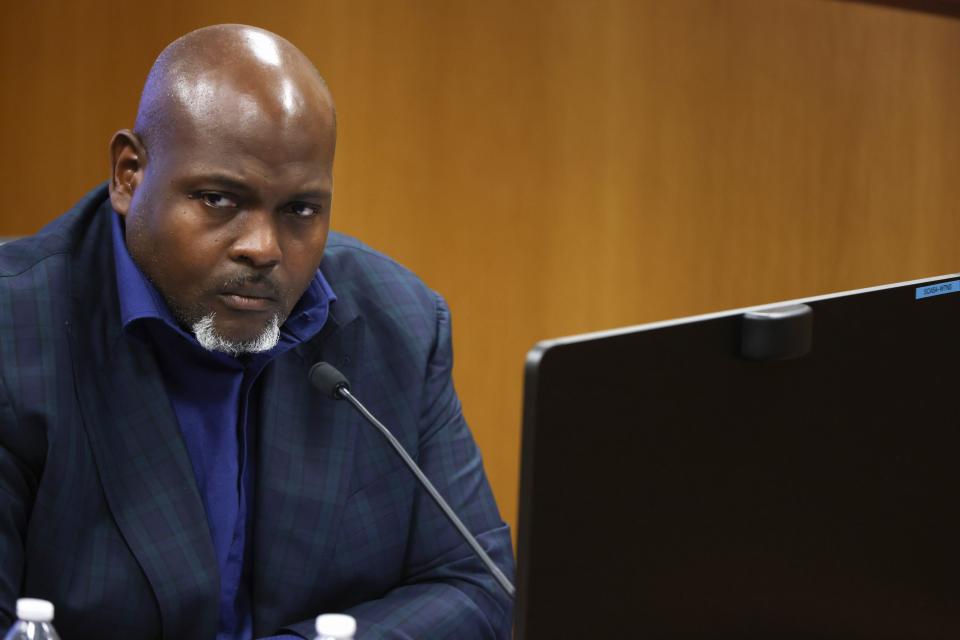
[[34, 610], [336, 625]]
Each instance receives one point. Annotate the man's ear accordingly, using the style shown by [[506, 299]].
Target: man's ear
[[128, 159]]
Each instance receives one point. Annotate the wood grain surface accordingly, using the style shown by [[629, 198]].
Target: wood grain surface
[[559, 166]]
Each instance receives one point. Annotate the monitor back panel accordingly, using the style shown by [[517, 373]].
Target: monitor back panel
[[672, 489]]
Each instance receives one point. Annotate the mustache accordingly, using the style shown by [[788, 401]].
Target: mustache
[[263, 283]]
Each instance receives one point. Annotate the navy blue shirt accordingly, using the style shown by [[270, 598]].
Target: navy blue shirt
[[210, 396]]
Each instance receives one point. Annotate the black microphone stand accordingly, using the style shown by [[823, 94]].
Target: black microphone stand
[[329, 380]]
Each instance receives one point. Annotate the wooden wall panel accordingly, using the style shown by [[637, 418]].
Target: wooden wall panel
[[561, 165]]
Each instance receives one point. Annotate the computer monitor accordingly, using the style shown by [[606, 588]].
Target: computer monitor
[[792, 473]]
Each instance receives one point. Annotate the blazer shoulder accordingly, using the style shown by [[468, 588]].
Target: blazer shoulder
[[351, 266], [19, 256], [57, 238], [345, 251], [402, 313]]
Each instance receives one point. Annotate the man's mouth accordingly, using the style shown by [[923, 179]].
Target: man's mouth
[[248, 301]]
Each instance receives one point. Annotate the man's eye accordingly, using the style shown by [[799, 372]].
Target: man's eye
[[217, 200], [304, 210]]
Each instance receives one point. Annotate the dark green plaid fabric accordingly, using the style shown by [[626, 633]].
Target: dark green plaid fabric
[[99, 511]]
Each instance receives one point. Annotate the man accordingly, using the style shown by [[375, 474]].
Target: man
[[166, 470]]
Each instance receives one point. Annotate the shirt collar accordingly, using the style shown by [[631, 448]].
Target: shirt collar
[[140, 301]]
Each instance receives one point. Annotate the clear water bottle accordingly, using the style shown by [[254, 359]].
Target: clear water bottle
[[335, 626], [35, 621]]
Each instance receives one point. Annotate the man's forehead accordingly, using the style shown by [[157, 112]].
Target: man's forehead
[[254, 154], [251, 128]]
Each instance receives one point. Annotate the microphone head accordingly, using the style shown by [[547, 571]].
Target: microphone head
[[325, 377]]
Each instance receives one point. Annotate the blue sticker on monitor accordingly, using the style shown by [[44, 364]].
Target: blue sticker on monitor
[[930, 290]]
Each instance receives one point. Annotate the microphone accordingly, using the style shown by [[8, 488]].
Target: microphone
[[331, 382]]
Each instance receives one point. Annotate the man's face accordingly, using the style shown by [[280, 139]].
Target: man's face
[[231, 218]]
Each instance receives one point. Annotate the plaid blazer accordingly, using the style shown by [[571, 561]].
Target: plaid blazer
[[99, 509]]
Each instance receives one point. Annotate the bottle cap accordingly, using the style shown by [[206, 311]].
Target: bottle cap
[[336, 625], [34, 610]]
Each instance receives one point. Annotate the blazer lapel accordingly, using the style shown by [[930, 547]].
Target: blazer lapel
[[305, 450], [138, 449]]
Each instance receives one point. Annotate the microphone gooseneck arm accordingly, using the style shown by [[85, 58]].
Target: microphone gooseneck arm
[[331, 382], [451, 516]]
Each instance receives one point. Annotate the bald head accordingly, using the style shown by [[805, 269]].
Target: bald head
[[225, 184], [229, 75]]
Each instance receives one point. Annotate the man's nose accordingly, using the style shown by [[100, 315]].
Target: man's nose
[[257, 242]]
